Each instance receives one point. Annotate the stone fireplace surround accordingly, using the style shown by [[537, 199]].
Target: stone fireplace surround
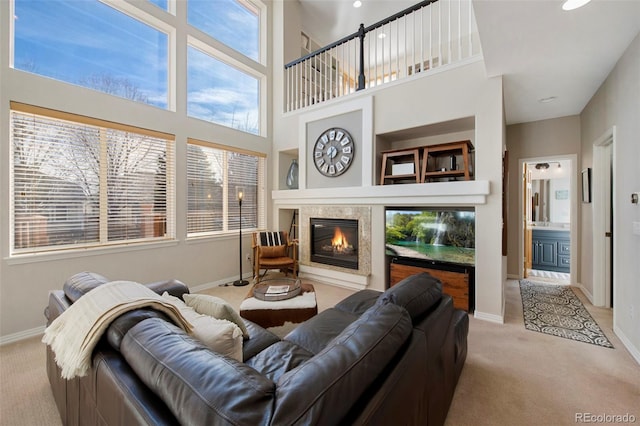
[[361, 214]]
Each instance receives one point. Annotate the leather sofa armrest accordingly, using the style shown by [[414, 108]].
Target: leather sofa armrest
[[58, 303]]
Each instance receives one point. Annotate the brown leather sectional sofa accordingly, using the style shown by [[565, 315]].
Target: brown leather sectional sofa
[[374, 358]]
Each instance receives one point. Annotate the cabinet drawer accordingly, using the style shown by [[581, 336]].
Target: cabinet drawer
[[564, 247], [564, 261]]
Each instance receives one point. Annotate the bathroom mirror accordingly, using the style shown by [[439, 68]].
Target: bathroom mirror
[[551, 200]]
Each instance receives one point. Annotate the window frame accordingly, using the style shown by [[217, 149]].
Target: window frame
[[141, 14], [260, 76], [103, 223]]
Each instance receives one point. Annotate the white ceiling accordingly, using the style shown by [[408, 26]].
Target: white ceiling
[[541, 50]]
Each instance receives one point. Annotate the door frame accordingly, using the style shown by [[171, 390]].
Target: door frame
[[602, 169], [573, 229]]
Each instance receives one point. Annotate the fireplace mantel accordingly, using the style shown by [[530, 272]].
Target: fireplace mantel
[[469, 193]]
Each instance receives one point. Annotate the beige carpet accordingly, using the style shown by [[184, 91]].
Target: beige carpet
[[512, 376]]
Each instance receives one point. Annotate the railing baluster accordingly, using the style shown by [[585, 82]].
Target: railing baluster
[[430, 36], [459, 30], [449, 30], [440, 61], [470, 27]]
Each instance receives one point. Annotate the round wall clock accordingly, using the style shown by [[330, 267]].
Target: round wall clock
[[333, 152]]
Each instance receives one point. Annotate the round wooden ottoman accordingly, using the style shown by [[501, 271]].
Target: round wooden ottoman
[[272, 313]]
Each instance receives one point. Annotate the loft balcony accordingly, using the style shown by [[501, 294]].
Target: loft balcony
[[429, 36]]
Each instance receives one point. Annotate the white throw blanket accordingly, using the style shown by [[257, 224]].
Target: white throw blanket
[[73, 335]]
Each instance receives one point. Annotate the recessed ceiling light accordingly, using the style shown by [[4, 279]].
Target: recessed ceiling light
[[574, 4], [358, 3], [547, 99]]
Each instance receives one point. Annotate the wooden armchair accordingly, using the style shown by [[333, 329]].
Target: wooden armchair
[[274, 250]]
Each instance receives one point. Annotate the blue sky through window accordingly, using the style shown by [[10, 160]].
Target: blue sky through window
[[227, 21], [221, 94], [91, 44], [162, 4]]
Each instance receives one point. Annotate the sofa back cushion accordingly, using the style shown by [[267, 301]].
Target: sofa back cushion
[[417, 294], [81, 283], [323, 389], [199, 386]]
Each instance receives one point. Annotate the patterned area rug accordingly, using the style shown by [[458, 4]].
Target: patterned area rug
[[556, 310]]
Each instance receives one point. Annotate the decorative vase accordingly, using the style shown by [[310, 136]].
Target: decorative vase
[[292, 175]]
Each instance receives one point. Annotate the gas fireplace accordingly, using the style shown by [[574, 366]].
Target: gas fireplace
[[335, 242]]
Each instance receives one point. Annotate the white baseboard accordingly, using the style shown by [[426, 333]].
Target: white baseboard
[[635, 352], [586, 292], [513, 277], [218, 283], [21, 335], [499, 319]]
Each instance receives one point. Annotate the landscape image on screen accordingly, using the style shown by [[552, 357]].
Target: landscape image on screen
[[434, 234]]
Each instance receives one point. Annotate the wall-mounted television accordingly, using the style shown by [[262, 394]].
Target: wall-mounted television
[[431, 233]]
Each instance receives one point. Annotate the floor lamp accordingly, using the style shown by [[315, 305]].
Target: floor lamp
[[240, 196]]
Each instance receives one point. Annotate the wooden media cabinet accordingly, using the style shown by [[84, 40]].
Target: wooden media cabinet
[[458, 281]]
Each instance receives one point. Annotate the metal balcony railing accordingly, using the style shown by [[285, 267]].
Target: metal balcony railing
[[430, 34]]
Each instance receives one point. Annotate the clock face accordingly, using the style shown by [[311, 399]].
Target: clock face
[[333, 152]]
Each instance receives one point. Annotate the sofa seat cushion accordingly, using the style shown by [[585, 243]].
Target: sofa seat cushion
[[279, 358], [324, 389], [199, 386], [359, 302], [417, 294], [314, 334]]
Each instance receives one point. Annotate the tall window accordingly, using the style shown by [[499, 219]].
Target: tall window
[[91, 44], [80, 182], [213, 174], [222, 94], [235, 23]]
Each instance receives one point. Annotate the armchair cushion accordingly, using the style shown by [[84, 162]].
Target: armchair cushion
[[269, 252]]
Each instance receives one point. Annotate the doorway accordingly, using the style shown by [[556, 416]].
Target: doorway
[[603, 224], [549, 218]]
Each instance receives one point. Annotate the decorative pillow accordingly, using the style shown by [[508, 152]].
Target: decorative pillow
[[215, 307], [273, 251], [221, 336]]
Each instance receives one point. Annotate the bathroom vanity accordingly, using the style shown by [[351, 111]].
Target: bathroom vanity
[[550, 249]]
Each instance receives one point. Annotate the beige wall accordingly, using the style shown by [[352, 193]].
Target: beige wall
[[545, 138], [617, 103]]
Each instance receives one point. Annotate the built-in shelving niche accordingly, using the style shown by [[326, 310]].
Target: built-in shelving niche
[[284, 161], [432, 134]]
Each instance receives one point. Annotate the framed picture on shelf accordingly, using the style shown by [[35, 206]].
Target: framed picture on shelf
[[586, 185]]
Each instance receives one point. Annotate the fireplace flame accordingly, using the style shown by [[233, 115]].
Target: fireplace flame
[[339, 241]]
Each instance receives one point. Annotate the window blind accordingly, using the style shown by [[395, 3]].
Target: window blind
[[213, 175], [76, 184]]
